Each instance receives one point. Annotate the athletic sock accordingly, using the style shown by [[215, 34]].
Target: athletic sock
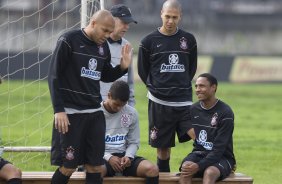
[[163, 165], [59, 178], [152, 180], [93, 178], [14, 181]]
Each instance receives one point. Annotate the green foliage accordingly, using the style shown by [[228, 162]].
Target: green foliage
[[26, 120]]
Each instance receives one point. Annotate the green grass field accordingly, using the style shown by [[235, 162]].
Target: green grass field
[[26, 120]]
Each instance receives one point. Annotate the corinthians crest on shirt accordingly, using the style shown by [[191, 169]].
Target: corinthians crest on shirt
[[214, 119], [90, 72], [70, 153], [101, 50], [183, 43], [125, 120]]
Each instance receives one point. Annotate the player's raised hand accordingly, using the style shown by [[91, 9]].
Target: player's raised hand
[[62, 122], [126, 56]]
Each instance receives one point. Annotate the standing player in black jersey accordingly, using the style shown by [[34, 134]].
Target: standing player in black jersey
[[81, 59], [213, 121], [167, 62]]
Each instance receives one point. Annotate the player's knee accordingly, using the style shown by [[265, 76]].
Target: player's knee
[[17, 173], [186, 164], [152, 170], [211, 173], [94, 169], [67, 171]]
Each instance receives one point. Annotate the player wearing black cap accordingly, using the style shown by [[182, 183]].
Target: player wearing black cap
[[123, 17]]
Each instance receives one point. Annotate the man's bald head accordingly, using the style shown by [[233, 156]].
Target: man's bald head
[[100, 27], [172, 4], [102, 16]]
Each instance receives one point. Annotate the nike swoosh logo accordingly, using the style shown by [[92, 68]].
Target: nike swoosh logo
[[159, 45], [196, 117]]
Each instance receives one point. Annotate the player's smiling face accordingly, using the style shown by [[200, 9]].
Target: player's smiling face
[[204, 90], [170, 18]]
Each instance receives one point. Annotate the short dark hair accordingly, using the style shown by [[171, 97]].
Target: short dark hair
[[120, 91], [212, 80]]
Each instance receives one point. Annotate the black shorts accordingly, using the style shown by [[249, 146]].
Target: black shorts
[[84, 143], [128, 171], [164, 121], [3, 162], [225, 166]]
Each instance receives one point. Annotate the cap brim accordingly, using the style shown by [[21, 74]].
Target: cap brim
[[128, 20]]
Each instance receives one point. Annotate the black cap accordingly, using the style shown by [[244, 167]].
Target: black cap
[[123, 12]]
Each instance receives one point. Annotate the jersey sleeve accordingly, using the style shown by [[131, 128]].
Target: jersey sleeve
[[193, 59], [60, 57], [110, 73], [130, 81], [221, 141], [143, 62], [133, 137]]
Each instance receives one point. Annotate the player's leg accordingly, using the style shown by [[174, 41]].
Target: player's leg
[[95, 143], [143, 168], [184, 129], [218, 171], [9, 172], [211, 174], [68, 149], [149, 170], [185, 173], [162, 126]]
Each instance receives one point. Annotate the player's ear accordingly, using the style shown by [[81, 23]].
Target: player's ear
[[109, 95]]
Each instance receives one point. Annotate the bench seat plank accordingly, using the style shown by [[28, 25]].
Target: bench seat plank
[[165, 178]]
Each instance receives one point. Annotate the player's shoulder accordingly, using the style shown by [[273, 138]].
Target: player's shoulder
[[187, 35], [129, 109], [67, 36], [151, 35], [225, 107], [71, 33]]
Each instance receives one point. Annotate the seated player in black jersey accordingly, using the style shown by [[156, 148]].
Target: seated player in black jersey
[[213, 121]]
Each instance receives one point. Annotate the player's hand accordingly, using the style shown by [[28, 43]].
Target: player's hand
[[189, 169], [126, 56], [125, 162], [115, 162], [62, 122]]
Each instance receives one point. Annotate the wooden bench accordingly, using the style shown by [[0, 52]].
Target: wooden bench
[[165, 178]]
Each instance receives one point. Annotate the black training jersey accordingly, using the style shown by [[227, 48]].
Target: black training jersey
[[77, 66], [167, 64], [214, 128]]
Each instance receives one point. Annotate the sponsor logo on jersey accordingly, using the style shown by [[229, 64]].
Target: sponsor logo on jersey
[[183, 43], [101, 50], [125, 120], [91, 73], [214, 119], [202, 140], [115, 140], [154, 133], [173, 66], [70, 153]]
